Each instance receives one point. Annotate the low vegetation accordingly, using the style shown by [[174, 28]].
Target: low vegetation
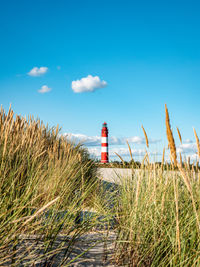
[[46, 181], [157, 213]]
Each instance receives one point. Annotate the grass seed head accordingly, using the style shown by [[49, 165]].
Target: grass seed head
[[179, 135], [170, 137], [197, 142], [146, 138]]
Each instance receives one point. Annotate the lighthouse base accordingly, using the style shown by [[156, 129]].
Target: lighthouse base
[[104, 161]]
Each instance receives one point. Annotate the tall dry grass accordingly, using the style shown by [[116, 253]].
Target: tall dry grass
[[157, 213], [45, 182]]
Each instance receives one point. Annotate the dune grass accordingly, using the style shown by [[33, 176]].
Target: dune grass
[[156, 222], [157, 212], [45, 182]]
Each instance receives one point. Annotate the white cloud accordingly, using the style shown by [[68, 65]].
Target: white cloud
[[118, 145], [141, 140], [38, 71], [122, 151], [96, 140], [188, 141], [193, 157], [44, 89], [187, 148], [136, 140], [81, 138], [88, 84]]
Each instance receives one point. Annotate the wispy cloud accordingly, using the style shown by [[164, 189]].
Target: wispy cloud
[[188, 141], [116, 145], [87, 84], [44, 89], [113, 140], [187, 148], [37, 71], [122, 151], [81, 138]]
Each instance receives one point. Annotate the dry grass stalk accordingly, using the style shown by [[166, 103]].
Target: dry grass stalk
[[40, 211], [175, 182], [170, 137], [197, 142], [189, 162], [145, 159], [163, 157], [146, 138], [137, 190], [120, 157], [181, 162], [193, 171], [179, 135], [129, 150], [186, 180], [197, 165]]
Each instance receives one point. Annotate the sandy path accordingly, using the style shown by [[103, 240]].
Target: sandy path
[[113, 175], [96, 249]]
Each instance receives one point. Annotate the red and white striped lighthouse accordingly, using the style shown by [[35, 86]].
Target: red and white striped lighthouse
[[104, 143]]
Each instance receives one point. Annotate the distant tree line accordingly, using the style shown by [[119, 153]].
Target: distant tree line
[[138, 164]]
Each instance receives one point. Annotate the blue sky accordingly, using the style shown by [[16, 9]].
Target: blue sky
[[146, 52]]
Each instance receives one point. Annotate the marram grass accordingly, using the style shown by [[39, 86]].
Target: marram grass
[[156, 221], [157, 213], [45, 182]]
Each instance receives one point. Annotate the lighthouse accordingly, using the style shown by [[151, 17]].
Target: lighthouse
[[104, 143]]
